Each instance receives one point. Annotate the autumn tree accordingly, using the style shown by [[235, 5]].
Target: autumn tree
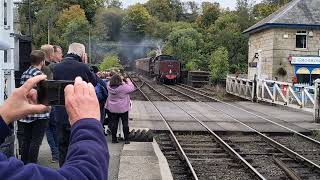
[[73, 13]]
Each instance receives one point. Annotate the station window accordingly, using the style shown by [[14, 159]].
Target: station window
[[301, 39]]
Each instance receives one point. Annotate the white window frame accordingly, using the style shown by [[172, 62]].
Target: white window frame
[[304, 33]]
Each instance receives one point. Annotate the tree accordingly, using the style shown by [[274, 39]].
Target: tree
[[73, 13], [227, 32], [267, 7], [186, 45], [244, 13], [135, 22], [219, 64], [210, 14], [110, 61], [190, 11], [113, 3], [108, 23], [191, 66], [77, 31], [161, 9]]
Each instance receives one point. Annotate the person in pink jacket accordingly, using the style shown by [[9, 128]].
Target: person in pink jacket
[[118, 103]]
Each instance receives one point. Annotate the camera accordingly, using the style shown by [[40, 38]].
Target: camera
[[51, 93]]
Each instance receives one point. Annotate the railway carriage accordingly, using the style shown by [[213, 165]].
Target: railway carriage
[[164, 67]]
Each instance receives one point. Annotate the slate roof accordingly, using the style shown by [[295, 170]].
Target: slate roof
[[296, 14]]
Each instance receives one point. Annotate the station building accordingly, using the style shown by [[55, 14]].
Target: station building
[[289, 43]]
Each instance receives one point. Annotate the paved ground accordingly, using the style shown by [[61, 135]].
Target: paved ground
[[144, 115], [114, 163], [219, 117]]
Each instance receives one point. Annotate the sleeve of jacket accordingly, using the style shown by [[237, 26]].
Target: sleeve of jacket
[[128, 87], [91, 77], [87, 158]]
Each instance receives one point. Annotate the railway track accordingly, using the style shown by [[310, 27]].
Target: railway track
[[209, 154], [297, 146], [202, 170]]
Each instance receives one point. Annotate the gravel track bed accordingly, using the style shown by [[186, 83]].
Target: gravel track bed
[[253, 144], [260, 154], [208, 159], [302, 146], [152, 95]]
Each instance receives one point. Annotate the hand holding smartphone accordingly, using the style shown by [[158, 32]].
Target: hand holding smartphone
[[51, 93]]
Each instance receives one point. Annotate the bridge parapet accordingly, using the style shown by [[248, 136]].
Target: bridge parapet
[[276, 92]]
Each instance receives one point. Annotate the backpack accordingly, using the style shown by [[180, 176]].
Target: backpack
[[102, 93]]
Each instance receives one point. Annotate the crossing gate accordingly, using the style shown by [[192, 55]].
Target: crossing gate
[[276, 92]]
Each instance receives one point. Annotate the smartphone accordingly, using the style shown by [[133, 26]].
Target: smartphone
[[51, 93]]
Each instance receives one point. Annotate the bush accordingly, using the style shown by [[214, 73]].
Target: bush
[[219, 64], [110, 61]]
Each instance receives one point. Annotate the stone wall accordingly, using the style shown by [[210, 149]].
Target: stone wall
[[261, 41], [277, 45]]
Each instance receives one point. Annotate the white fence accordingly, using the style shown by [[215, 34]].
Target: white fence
[[282, 93]]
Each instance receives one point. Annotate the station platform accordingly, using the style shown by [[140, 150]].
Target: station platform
[[144, 115], [137, 160]]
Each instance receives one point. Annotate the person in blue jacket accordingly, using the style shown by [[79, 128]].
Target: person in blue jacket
[[87, 156]]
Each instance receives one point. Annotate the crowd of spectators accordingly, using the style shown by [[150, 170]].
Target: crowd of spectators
[[71, 130]]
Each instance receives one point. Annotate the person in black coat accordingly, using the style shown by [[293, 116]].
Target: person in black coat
[[72, 66]]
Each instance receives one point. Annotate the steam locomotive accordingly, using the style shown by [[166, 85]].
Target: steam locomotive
[[165, 68]]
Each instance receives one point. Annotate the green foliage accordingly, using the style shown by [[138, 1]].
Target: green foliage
[[185, 44], [72, 14], [110, 61], [267, 7], [108, 23], [191, 66], [152, 53], [161, 9], [189, 33], [211, 12], [227, 32], [136, 20], [113, 3], [219, 64], [77, 31]]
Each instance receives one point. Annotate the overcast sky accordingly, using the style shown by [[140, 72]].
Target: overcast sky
[[224, 3]]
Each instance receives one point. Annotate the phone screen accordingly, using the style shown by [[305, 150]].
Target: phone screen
[[52, 92]]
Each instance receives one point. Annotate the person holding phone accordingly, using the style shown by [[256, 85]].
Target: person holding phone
[[118, 104], [88, 156], [71, 66], [31, 129]]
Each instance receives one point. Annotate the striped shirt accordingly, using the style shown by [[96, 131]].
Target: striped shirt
[[31, 72]]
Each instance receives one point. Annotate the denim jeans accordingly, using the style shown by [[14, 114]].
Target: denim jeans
[[52, 136], [32, 136]]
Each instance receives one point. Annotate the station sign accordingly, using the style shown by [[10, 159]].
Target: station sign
[[305, 60], [253, 64]]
